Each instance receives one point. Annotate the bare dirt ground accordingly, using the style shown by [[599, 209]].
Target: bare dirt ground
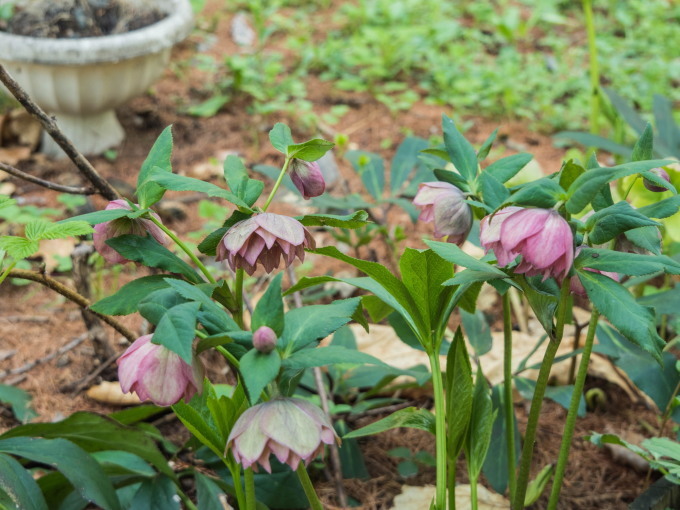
[[35, 322]]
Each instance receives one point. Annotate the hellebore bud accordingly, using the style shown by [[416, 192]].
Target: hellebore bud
[[121, 226], [290, 428], [264, 339], [156, 373], [307, 178], [264, 238], [659, 172], [541, 236], [443, 204]]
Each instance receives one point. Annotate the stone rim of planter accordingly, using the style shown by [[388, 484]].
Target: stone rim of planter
[[153, 38]]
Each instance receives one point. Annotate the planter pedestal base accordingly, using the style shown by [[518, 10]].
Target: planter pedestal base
[[92, 134]]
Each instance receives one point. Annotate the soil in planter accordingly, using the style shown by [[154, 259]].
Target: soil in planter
[[71, 19]]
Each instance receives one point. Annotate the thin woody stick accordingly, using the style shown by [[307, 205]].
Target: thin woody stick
[[32, 364], [48, 123], [71, 295], [46, 184]]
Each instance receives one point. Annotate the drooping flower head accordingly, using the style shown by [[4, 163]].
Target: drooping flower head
[[575, 285], [156, 373], [443, 204], [541, 236], [307, 177], [121, 226], [659, 172], [264, 238], [290, 428]]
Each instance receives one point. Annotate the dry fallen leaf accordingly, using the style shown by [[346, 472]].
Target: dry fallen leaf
[[20, 127], [419, 498], [110, 393], [12, 155], [52, 249]]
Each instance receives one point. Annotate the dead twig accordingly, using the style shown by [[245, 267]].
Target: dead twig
[[49, 124], [78, 386], [29, 318], [336, 472], [32, 364], [71, 295], [45, 184]]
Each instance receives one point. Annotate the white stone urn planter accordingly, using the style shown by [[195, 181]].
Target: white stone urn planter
[[81, 81]]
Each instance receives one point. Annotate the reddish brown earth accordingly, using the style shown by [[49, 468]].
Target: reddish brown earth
[[34, 322]]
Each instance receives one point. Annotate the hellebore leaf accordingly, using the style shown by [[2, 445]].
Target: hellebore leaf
[[310, 150], [311, 323], [355, 220], [506, 168], [371, 168], [148, 192], [493, 190], [19, 400], [259, 369], [647, 238], [78, 467], [484, 149], [404, 161], [459, 387], [158, 493], [632, 264], [281, 137], [611, 221], [97, 217], [543, 193], [410, 417], [481, 424], [21, 489], [559, 394], [127, 298], [176, 329], [614, 301], [461, 152], [477, 331], [452, 253], [236, 175], [452, 178], [147, 251], [644, 147], [661, 209], [331, 355], [269, 309]]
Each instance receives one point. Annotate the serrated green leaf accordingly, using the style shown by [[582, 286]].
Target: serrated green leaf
[[506, 168], [452, 178], [452, 253], [269, 309], [644, 147], [257, 370], [97, 217], [481, 424], [607, 223], [632, 264], [330, 355], [493, 190], [58, 230], [311, 323], [18, 247], [635, 322], [310, 150], [159, 157], [477, 330], [355, 220], [176, 330], [281, 137], [483, 151], [543, 193], [459, 387]]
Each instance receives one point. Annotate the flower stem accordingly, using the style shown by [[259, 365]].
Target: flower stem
[[573, 411], [238, 295], [184, 248], [228, 356], [507, 390], [235, 470], [473, 494], [308, 487], [187, 502], [440, 430], [594, 68], [249, 478], [7, 271], [537, 400], [277, 184]]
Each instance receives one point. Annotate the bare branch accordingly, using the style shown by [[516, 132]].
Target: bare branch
[[46, 184], [71, 295], [48, 123]]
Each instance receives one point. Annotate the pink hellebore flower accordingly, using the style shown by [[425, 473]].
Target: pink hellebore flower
[[264, 238], [121, 226], [444, 205], [307, 178], [290, 428], [541, 236], [575, 285], [156, 373]]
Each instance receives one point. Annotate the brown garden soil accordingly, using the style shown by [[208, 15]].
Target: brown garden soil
[[35, 322]]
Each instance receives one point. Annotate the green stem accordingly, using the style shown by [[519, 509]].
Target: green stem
[[451, 484], [251, 500], [440, 430], [238, 295], [184, 248], [276, 184], [7, 271], [507, 390], [473, 494], [228, 356], [187, 502], [594, 68], [308, 487], [573, 411], [537, 400], [235, 470]]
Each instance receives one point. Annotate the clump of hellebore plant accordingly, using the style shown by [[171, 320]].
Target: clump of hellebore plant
[[659, 172], [121, 226], [156, 373], [264, 339], [307, 177], [290, 428], [443, 204], [263, 239], [541, 236]]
